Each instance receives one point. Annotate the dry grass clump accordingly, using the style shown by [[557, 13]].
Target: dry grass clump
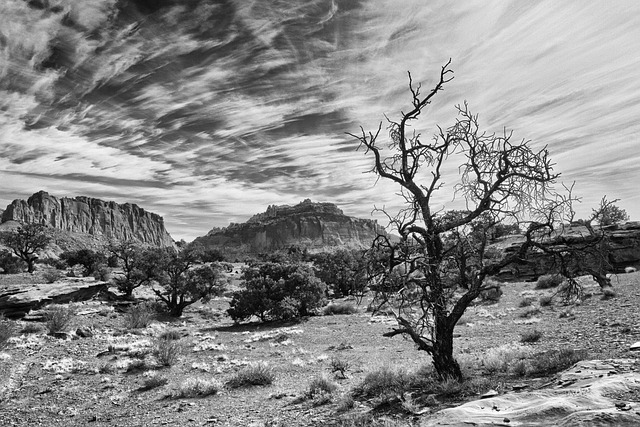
[[7, 330], [197, 387], [339, 365], [153, 381], [138, 316], [530, 312], [554, 361], [531, 336], [259, 374], [30, 328], [548, 281], [167, 351], [498, 359], [170, 334], [52, 275], [384, 384], [545, 300], [344, 307], [57, 318]]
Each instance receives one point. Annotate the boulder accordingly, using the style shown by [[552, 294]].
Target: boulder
[[17, 300]]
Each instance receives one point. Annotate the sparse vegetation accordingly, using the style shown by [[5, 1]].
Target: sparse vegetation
[[545, 300], [57, 318], [320, 386], [153, 381], [51, 275], [197, 387], [531, 336], [138, 316], [167, 351], [259, 374], [11, 264], [7, 330], [340, 366], [548, 281]]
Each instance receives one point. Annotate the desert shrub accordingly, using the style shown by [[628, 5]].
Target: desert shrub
[[7, 330], [277, 291], [57, 318], [167, 351], [554, 361], [548, 281], [101, 272], [136, 365], [51, 275], [383, 383], [182, 283], [87, 258], [498, 359], [170, 334], [320, 386], [197, 387], [345, 403], [339, 365], [529, 312], [531, 336], [344, 307], [11, 264], [344, 271], [138, 316], [449, 387], [153, 381], [252, 375], [545, 300], [525, 302]]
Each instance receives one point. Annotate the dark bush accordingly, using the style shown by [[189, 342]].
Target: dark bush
[[87, 258], [11, 264], [344, 271], [253, 375], [277, 291]]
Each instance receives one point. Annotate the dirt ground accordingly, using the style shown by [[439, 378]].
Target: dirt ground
[[99, 380]]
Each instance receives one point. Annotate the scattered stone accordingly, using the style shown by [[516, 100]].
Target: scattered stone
[[84, 332]]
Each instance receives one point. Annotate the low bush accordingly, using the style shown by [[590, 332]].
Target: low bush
[[197, 387], [383, 383], [319, 386], [339, 365], [170, 334], [138, 316], [167, 351], [57, 318], [252, 375], [30, 328], [531, 336], [52, 275], [545, 300], [7, 330], [554, 361], [344, 307], [529, 312], [153, 381], [549, 281], [492, 292]]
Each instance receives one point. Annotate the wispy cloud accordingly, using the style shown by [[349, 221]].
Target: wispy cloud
[[207, 112]]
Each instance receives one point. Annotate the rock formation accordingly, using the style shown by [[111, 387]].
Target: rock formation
[[315, 226], [622, 243], [85, 215]]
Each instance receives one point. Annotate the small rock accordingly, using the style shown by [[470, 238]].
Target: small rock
[[84, 332], [635, 346], [507, 420], [490, 393]]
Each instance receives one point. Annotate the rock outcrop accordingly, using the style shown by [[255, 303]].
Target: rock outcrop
[[18, 300], [315, 226], [85, 215], [622, 251], [591, 393]]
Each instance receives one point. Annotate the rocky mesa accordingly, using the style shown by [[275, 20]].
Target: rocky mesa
[[315, 226], [88, 216]]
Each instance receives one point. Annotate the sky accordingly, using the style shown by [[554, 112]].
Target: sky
[[208, 111]]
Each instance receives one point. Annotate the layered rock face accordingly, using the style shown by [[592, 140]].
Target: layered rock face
[[90, 216], [315, 226], [622, 250]]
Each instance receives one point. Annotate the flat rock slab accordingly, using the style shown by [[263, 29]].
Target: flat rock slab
[[587, 394], [17, 300]]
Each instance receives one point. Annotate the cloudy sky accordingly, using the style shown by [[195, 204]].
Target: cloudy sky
[[207, 111]]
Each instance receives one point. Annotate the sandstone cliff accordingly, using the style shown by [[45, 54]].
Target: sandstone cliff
[[316, 226], [88, 216]]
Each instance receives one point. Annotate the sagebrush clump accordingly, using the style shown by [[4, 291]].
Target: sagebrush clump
[[57, 318], [259, 374]]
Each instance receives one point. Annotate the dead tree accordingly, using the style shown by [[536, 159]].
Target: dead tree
[[499, 179]]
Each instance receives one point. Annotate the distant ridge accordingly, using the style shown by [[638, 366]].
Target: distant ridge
[[88, 216], [315, 226]]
